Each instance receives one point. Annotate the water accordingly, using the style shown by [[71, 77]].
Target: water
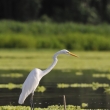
[[94, 94]]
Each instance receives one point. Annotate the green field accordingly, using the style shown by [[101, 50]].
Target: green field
[[29, 59]]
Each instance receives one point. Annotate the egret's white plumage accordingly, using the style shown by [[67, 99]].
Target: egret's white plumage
[[35, 76], [30, 84]]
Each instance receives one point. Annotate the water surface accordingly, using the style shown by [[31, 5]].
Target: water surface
[[95, 95]]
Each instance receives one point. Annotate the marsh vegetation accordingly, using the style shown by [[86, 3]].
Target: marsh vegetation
[[50, 35]]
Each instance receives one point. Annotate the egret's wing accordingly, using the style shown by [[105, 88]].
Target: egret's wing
[[29, 86]]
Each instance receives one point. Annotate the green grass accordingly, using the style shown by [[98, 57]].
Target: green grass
[[29, 59], [40, 35]]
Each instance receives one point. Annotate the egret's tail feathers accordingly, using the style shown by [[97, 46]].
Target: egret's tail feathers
[[22, 98], [20, 101]]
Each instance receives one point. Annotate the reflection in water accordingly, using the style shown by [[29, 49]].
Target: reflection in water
[[79, 92]]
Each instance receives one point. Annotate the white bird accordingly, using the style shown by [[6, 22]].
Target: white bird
[[35, 76]]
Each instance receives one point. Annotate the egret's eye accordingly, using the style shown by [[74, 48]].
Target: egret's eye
[[67, 52]]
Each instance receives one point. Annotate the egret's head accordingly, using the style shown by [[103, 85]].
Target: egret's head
[[64, 51]]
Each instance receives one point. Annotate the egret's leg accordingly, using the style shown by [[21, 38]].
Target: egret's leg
[[31, 101]]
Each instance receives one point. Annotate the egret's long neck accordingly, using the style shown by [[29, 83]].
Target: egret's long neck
[[52, 65]]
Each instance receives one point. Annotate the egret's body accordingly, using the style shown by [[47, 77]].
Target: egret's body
[[30, 84], [35, 76]]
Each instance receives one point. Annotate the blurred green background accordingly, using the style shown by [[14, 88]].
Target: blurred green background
[[40, 24]]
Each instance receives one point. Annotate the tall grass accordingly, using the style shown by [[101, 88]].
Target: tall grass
[[52, 35]]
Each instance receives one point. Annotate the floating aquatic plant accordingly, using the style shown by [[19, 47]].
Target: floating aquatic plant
[[8, 107], [84, 105], [79, 73], [61, 107], [12, 75], [12, 86], [41, 89], [94, 85], [52, 107], [107, 90], [102, 75]]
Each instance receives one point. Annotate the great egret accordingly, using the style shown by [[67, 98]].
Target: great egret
[[35, 76]]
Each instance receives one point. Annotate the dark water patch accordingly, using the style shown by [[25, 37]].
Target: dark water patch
[[5, 80], [75, 96]]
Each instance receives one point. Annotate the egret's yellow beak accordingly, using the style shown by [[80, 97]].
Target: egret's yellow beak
[[72, 54]]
